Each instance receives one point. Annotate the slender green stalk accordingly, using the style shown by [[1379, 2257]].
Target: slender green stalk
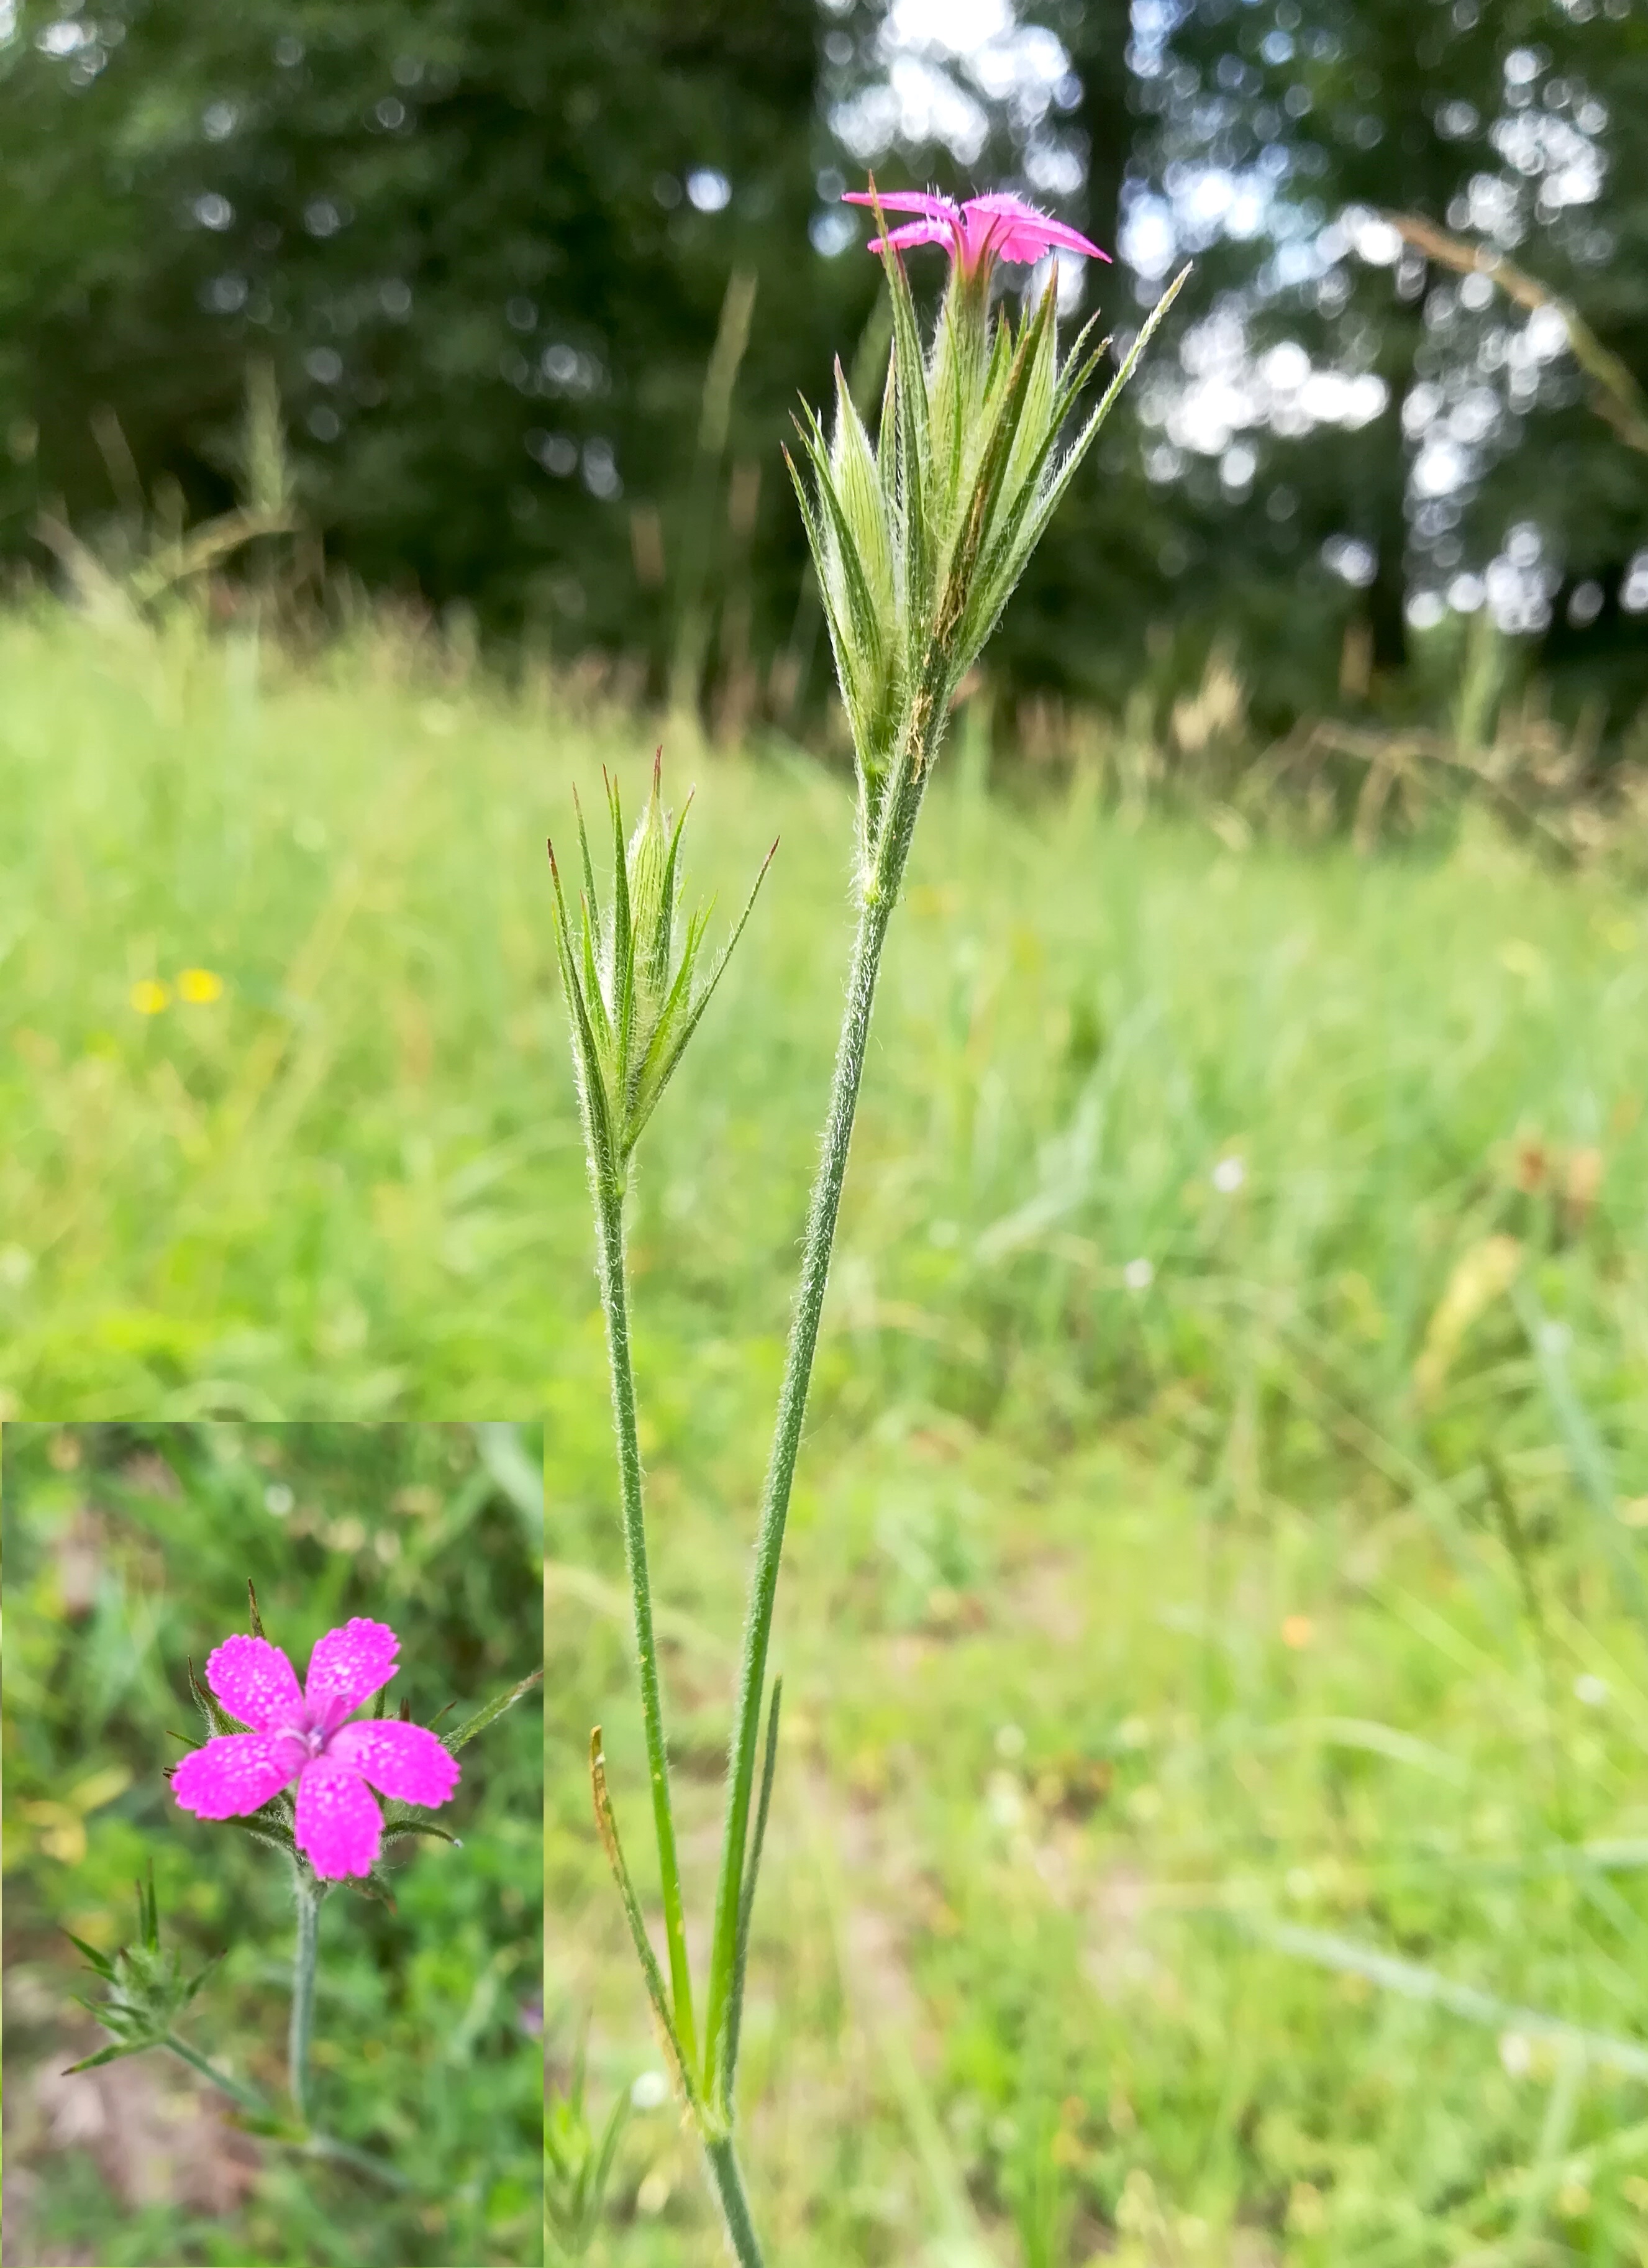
[[344, 2153], [728, 2180], [609, 1198], [303, 1995], [879, 896], [746, 1904], [247, 2097]]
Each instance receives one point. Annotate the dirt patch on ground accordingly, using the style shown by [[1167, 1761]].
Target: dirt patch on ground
[[156, 2137]]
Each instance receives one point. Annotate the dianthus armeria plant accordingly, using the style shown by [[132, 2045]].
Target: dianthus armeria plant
[[918, 538], [294, 1767]]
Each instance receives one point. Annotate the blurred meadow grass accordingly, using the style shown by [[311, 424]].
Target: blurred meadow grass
[[127, 1551], [1215, 1559]]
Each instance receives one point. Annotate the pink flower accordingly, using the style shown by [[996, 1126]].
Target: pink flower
[[302, 1736], [999, 226]]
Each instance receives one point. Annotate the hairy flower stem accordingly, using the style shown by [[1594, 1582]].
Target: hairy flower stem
[[311, 2146], [609, 1201], [247, 2097], [303, 1995], [728, 2180], [880, 895]]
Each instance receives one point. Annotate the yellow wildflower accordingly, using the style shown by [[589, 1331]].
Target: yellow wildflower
[[148, 998], [200, 987]]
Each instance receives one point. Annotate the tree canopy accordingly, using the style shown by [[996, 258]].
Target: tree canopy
[[539, 289]]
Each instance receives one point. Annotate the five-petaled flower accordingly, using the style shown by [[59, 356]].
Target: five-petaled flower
[[302, 1736], [999, 226]]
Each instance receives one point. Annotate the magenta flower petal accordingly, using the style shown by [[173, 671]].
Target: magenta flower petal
[[940, 221], [405, 1761], [236, 1773], [1062, 237], [1016, 231], [999, 224], [926, 201], [349, 1666], [913, 232], [255, 1683], [339, 1827]]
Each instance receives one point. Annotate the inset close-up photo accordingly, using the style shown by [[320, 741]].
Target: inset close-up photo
[[273, 1844]]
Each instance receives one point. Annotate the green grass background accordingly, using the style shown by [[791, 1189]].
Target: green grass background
[[1126, 1630], [127, 1551]]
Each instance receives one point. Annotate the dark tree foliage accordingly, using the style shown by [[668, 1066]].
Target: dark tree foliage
[[1519, 123], [486, 247], [487, 250]]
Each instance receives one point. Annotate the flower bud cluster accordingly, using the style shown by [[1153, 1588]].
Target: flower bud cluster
[[146, 1988], [631, 971], [919, 537]]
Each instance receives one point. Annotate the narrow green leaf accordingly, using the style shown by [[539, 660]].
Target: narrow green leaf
[[464, 1733], [100, 1961], [606, 1825], [847, 621], [859, 487], [1005, 560], [715, 975], [866, 625], [401, 1829], [658, 974], [1030, 362], [592, 1085], [1079, 366], [263, 1831], [1036, 419], [653, 1073], [218, 1719], [817, 543], [1085, 439], [591, 927], [113, 2014], [257, 1619], [911, 425], [746, 1899], [886, 439], [189, 1991], [622, 932], [591, 894], [948, 408], [109, 2055]]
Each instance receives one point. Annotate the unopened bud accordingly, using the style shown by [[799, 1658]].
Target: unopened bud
[[631, 972]]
